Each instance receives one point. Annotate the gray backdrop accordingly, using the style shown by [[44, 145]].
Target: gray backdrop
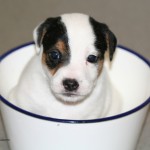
[[128, 19]]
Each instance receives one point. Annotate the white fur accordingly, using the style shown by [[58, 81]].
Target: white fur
[[41, 93]]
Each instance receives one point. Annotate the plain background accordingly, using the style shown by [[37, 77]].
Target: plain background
[[128, 19]]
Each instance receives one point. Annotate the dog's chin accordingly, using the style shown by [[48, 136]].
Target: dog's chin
[[70, 98]]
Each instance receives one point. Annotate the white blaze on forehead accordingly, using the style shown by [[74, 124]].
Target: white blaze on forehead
[[80, 33]]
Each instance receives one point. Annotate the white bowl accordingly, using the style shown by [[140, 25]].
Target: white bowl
[[130, 73]]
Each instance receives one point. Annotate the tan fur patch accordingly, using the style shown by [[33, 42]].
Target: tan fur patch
[[60, 45], [44, 59], [53, 71], [100, 66]]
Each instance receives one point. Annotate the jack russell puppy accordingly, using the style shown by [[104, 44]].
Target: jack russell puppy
[[66, 79]]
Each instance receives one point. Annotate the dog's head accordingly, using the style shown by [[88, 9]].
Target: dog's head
[[72, 49]]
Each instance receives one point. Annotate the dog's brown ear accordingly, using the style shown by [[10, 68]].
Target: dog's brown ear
[[111, 43]]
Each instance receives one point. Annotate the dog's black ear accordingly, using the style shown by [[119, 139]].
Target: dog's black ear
[[105, 39], [48, 32], [40, 31], [38, 35], [111, 43]]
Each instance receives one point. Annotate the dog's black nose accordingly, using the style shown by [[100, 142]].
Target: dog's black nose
[[70, 84]]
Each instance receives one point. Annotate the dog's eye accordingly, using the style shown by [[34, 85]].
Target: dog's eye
[[54, 55], [92, 58]]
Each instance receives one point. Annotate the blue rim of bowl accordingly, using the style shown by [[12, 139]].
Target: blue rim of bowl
[[75, 121]]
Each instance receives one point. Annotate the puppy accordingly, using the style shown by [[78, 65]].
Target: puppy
[[66, 78]]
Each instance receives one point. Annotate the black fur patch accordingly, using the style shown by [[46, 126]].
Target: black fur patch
[[104, 38], [49, 34], [54, 30]]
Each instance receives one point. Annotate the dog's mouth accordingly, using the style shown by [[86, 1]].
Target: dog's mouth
[[70, 98], [70, 94]]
